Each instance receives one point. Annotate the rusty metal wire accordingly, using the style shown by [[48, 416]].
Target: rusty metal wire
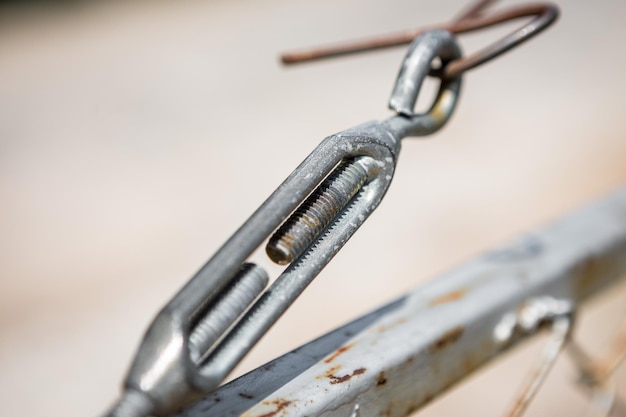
[[470, 20]]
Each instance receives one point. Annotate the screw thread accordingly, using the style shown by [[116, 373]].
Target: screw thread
[[305, 225], [232, 302]]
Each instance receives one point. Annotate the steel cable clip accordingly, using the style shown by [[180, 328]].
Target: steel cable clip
[[213, 322]]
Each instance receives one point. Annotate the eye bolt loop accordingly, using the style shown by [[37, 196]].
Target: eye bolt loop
[[416, 66]]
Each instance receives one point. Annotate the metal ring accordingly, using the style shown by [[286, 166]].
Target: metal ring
[[415, 67]]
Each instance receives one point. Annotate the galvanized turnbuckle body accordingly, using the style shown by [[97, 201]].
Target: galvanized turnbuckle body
[[207, 328]]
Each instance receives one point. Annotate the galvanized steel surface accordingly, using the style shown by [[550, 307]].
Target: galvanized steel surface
[[164, 371]]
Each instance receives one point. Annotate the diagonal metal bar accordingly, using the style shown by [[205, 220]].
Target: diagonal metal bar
[[394, 360]]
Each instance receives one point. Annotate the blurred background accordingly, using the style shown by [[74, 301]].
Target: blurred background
[[135, 136]]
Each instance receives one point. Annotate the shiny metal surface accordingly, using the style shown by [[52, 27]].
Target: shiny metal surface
[[164, 371]]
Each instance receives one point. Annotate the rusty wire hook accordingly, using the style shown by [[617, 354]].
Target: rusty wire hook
[[544, 15], [473, 19]]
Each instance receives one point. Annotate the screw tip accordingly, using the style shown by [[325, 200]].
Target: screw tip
[[279, 253]]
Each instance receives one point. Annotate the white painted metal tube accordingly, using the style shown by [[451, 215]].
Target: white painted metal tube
[[395, 359]]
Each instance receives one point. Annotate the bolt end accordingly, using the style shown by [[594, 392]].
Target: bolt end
[[279, 253]]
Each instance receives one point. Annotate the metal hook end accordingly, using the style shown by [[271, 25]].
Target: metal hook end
[[415, 67]]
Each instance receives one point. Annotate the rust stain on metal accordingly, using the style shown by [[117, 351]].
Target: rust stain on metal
[[448, 298], [381, 379], [280, 405], [330, 372], [338, 352], [342, 379], [334, 379], [446, 339]]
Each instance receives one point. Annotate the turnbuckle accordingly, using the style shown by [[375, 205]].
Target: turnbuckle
[[214, 321]]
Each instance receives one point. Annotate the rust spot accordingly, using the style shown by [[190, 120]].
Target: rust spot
[[246, 396], [338, 352], [334, 379], [280, 405], [330, 372], [446, 340], [448, 298], [339, 380], [381, 379]]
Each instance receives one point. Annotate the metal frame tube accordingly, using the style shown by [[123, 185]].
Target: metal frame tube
[[397, 358]]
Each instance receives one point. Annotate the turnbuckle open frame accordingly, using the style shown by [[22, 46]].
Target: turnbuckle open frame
[[213, 322]]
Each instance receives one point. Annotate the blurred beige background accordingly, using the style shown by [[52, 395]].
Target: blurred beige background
[[136, 136]]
